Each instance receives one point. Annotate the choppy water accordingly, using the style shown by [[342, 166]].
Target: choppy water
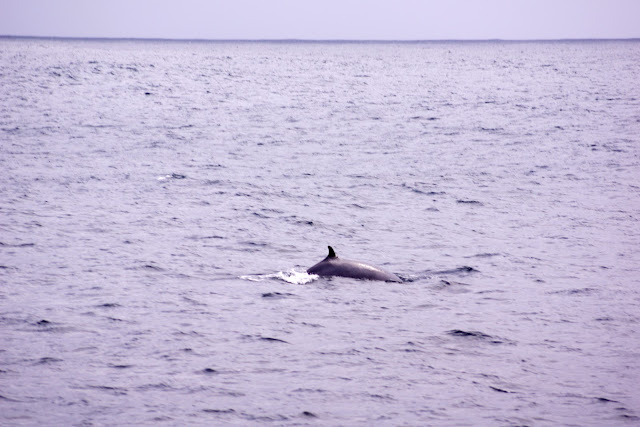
[[160, 202]]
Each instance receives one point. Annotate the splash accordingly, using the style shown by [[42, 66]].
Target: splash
[[171, 176], [292, 276]]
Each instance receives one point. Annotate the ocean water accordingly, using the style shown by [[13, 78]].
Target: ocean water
[[161, 201]]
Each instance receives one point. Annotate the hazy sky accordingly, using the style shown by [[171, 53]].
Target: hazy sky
[[323, 19]]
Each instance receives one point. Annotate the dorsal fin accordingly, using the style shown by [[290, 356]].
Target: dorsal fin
[[332, 254]]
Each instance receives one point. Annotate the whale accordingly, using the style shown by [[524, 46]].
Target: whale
[[333, 265]]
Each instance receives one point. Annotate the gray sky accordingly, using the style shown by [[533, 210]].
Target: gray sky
[[323, 19]]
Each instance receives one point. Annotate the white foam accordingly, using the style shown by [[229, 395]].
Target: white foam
[[291, 276]]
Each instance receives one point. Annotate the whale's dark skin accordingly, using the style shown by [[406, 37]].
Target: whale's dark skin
[[332, 265]]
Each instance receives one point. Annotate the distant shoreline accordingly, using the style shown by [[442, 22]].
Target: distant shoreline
[[325, 41]]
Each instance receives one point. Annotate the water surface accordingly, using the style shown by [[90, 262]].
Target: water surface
[[161, 201]]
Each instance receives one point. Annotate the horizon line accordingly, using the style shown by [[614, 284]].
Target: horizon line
[[312, 40]]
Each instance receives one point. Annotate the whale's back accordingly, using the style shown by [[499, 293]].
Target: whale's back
[[332, 265]]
